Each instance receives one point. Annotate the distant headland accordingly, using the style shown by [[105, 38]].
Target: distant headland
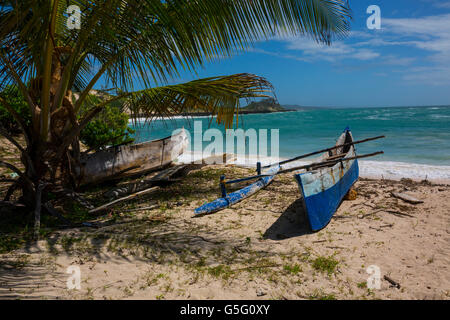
[[269, 105]]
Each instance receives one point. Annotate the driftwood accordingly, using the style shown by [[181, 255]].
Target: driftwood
[[131, 196], [163, 177], [398, 213], [10, 204], [77, 197], [394, 283], [407, 198], [142, 209], [167, 174], [218, 159], [52, 211]]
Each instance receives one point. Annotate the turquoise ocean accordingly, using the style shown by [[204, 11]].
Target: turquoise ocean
[[419, 135]]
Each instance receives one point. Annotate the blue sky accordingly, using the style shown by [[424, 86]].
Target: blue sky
[[407, 62]]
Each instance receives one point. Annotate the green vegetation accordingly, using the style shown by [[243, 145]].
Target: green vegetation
[[109, 127], [362, 285], [293, 269], [325, 264], [320, 295], [220, 271], [16, 101]]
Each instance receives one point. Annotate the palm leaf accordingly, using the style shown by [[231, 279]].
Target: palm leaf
[[216, 95], [152, 40]]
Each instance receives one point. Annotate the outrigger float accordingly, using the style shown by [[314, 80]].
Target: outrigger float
[[323, 183]]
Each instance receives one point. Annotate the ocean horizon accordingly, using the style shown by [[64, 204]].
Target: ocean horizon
[[417, 143], [419, 135]]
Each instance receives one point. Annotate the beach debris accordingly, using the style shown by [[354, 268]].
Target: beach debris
[[55, 213], [351, 195], [394, 283], [10, 204], [131, 196], [155, 206], [398, 213], [362, 216], [163, 177], [76, 197], [407, 198], [168, 174], [219, 159], [260, 293], [336, 247]]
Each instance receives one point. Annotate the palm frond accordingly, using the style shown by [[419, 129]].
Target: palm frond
[[217, 95], [152, 40]]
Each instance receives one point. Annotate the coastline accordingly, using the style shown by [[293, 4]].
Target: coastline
[[390, 170], [187, 115]]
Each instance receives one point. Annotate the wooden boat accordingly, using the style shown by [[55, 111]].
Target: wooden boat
[[324, 187], [323, 182], [130, 160], [239, 195]]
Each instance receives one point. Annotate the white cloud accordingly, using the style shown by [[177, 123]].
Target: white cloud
[[437, 75], [431, 34], [439, 3], [338, 50], [443, 4]]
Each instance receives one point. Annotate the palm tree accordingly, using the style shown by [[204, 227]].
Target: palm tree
[[120, 42]]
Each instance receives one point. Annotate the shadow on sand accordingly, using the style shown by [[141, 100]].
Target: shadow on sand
[[292, 223]]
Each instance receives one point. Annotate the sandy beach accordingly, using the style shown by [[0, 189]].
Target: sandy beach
[[225, 150], [260, 248]]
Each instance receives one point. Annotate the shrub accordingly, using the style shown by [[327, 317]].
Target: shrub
[[15, 99], [325, 264], [110, 127]]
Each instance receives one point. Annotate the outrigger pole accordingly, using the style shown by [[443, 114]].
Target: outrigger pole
[[223, 182], [324, 150]]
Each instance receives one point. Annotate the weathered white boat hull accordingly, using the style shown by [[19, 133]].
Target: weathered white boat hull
[[125, 161]]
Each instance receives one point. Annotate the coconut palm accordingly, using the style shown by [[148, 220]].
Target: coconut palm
[[124, 42]]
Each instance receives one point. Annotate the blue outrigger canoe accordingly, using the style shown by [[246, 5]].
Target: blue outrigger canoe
[[324, 189], [239, 195], [323, 183]]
